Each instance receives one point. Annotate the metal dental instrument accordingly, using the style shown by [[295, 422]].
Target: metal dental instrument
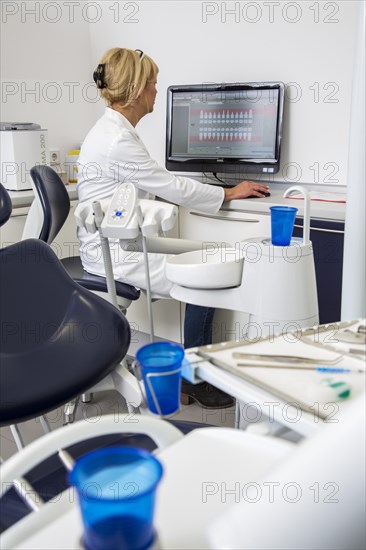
[[357, 351], [285, 358], [333, 370], [351, 337]]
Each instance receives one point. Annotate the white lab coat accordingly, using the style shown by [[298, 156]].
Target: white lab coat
[[111, 154]]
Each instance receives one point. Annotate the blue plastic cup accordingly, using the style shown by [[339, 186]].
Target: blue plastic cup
[[282, 224], [161, 368], [116, 489]]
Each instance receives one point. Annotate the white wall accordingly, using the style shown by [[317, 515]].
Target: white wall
[[201, 42], [307, 45], [46, 68], [354, 263]]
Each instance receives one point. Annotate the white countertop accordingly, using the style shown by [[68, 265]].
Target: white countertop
[[318, 209], [21, 199]]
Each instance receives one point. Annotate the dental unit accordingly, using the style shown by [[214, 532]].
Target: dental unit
[[275, 285]]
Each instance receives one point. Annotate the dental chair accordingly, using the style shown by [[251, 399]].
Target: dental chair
[[46, 218], [54, 345]]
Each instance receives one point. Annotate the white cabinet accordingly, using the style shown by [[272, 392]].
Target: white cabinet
[[11, 232], [65, 244], [230, 226]]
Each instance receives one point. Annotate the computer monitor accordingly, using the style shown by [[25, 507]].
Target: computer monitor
[[235, 128]]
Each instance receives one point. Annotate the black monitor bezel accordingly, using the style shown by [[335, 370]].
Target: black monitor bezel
[[223, 165]]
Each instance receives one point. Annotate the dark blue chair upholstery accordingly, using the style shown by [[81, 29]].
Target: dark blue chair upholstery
[[55, 203], [57, 338]]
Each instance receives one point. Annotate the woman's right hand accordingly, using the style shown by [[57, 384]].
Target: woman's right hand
[[244, 190]]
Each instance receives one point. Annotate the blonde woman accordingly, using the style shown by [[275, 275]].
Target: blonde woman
[[113, 153]]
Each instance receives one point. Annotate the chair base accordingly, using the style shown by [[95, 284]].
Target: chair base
[[87, 397], [69, 411]]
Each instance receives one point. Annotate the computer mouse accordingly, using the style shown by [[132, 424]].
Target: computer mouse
[[266, 194]]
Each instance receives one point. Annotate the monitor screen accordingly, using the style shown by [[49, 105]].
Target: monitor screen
[[225, 128]]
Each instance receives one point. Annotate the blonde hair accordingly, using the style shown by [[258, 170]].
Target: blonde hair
[[126, 75]]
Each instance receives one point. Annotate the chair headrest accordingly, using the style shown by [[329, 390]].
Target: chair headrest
[[54, 201]]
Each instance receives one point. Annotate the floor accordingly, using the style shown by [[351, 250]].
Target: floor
[[107, 403], [112, 403]]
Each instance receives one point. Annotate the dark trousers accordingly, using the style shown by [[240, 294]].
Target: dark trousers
[[198, 326]]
